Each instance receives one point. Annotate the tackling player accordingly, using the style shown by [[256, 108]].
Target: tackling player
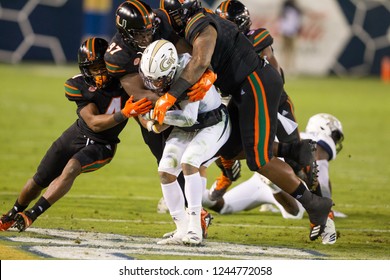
[[327, 131], [255, 88], [137, 26], [103, 109]]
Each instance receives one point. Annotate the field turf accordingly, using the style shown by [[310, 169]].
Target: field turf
[[121, 198]]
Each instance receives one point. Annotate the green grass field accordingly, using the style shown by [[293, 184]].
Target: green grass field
[[121, 198]]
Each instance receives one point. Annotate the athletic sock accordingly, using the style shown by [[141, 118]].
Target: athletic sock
[[40, 206]]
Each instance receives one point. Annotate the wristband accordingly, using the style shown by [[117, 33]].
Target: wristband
[[179, 87], [149, 125], [119, 117]]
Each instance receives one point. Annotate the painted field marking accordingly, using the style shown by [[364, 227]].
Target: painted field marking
[[81, 245]]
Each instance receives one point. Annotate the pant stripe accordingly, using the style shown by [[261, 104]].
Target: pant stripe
[[261, 121]]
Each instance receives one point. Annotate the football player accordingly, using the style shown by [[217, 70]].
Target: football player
[[327, 131], [137, 26], [103, 109], [262, 40], [255, 87], [199, 130]]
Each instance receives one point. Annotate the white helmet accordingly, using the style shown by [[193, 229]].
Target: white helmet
[[328, 125], [158, 65]]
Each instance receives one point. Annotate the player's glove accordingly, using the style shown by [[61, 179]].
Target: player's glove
[[139, 107], [162, 106], [200, 88]]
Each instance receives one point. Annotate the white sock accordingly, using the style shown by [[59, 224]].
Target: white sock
[[174, 199], [323, 177], [193, 191]]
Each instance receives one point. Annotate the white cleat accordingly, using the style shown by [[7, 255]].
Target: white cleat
[[192, 239], [269, 208], [169, 234], [329, 236], [175, 239]]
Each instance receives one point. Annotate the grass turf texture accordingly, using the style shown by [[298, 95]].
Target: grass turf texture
[[122, 197]]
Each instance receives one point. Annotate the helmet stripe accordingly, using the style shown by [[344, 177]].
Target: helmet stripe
[[90, 44], [144, 12], [158, 46], [224, 8]]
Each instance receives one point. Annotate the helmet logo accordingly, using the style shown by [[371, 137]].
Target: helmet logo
[[167, 62], [123, 24]]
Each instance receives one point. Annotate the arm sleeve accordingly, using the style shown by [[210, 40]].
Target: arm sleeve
[[183, 118]]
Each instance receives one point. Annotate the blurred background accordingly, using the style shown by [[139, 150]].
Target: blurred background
[[341, 37]]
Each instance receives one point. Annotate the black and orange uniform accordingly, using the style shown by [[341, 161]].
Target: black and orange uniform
[[254, 85], [123, 59], [92, 149], [261, 39]]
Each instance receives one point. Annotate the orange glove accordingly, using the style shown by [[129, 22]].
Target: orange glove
[[162, 106], [140, 107], [200, 88]]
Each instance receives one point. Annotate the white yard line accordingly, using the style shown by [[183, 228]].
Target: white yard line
[[63, 244]]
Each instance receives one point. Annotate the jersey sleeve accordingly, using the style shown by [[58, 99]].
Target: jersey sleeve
[[195, 25], [74, 92], [120, 59], [260, 39]]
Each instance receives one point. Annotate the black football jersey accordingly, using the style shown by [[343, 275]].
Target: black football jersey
[[234, 57], [121, 59], [109, 100]]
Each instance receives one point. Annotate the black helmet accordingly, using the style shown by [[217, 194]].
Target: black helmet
[[91, 57], [133, 18], [236, 12], [180, 11]]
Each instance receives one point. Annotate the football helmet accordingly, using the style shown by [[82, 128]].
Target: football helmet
[[136, 22], [235, 12], [91, 62], [329, 125], [180, 11], [158, 65]]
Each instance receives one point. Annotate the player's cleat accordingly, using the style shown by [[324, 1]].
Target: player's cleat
[[303, 152], [192, 239], [169, 234], [205, 222], [318, 209], [219, 188], [174, 239], [22, 221], [339, 214], [6, 222], [267, 207], [232, 168], [329, 236], [309, 174]]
